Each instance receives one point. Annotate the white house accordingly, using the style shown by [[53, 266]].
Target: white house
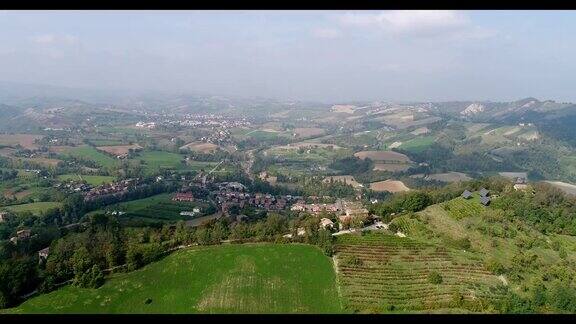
[[326, 223]]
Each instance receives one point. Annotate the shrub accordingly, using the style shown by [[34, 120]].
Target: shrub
[[464, 243], [495, 267], [435, 278], [351, 261]]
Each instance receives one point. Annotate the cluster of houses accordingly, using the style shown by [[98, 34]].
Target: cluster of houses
[[115, 188], [341, 207], [213, 121], [227, 199], [318, 208], [73, 186], [150, 125], [234, 194], [21, 235]]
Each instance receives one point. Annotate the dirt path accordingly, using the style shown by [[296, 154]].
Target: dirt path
[[503, 279], [335, 264]]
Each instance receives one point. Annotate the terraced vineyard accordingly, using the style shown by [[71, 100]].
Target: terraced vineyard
[[380, 272], [460, 208]]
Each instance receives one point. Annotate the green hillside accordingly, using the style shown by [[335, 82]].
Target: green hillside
[[261, 278]]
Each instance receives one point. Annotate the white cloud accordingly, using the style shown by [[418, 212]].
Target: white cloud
[[329, 33], [50, 39], [424, 22]]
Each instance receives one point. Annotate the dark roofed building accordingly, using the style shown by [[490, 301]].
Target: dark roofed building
[[484, 192], [466, 194], [485, 200]]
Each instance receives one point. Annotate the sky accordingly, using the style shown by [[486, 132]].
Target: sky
[[329, 56]]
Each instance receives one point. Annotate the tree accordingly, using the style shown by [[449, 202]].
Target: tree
[[434, 278], [81, 263], [326, 242]]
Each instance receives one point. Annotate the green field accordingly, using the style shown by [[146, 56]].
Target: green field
[[106, 142], [90, 179], [418, 144], [156, 208], [157, 160], [262, 278], [90, 153], [35, 208], [294, 161]]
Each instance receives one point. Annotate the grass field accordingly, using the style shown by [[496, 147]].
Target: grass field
[[418, 144], [90, 153], [24, 140], [156, 208], [105, 142], [261, 278], [35, 208], [90, 179], [242, 133], [383, 156], [157, 160], [390, 274]]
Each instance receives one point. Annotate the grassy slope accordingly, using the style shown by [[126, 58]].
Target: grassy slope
[[90, 153], [418, 144], [157, 208], [156, 160], [90, 179], [35, 208], [262, 278]]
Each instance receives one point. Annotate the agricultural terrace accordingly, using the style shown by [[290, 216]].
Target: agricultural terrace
[[380, 272], [105, 142], [24, 140], [93, 180], [445, 177], [200, 147], [90, 153], [392, 167], [386, 160], [42, 161], [460, 208], [347, 179], [242, 133], [308, 132], [417, 144], [119, 150], [255, 278], [158, 208], [157, 160], [36, 208], [302, 160], [24, 191], [389, 185], [506, 134], [348, 109], [383, 156]]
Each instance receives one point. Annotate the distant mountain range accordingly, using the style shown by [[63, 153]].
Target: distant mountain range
[[29, 107]]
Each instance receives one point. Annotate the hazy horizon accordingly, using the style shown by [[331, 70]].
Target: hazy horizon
[[324, 56]]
